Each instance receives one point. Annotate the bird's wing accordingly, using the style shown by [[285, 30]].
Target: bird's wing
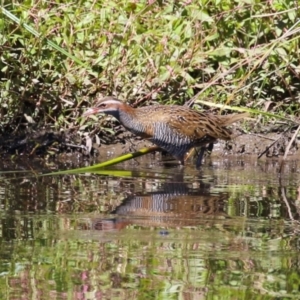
[[200, 126]]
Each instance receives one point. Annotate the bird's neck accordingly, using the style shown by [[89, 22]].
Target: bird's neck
[[114, 113], [126, 117], [129, 118], [122, 114]]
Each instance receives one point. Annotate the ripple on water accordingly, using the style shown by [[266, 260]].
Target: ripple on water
[[229, 230]]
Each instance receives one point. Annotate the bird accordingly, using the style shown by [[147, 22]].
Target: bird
[[174, 128]]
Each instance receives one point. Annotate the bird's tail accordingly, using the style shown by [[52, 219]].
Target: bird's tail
[[229, 119]]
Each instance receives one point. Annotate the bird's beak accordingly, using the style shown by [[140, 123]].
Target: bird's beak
[[90, 111]]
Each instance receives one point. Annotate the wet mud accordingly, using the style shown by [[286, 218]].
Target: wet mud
[[71, 147]]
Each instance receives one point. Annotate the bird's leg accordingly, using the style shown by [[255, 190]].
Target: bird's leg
[[199, 157], [181, 162], [209, 149]]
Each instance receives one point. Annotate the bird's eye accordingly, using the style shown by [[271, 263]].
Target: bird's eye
[[102, 105]]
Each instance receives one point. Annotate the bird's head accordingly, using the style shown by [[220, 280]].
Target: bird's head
[[107, 105]]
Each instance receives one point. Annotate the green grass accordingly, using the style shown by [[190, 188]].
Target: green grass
[[55, 57]]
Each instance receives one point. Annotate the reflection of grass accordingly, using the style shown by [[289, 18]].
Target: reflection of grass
[[225, 258]]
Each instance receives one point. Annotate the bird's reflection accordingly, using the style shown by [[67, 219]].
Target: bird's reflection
[[174, 199], [174, 204]]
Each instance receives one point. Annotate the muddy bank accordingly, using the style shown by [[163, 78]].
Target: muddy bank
[[70, 146]]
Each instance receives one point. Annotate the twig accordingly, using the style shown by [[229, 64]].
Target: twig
[[262, 136], [260, 155], [287, 203], [288, 148]]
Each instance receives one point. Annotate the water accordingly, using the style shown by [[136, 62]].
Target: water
[[229, 231]]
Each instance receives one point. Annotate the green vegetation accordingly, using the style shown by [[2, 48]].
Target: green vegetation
[[238, 53]]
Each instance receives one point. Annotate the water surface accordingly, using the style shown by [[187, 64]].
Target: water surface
[[228, 231]]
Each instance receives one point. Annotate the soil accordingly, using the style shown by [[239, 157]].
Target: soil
[[271, 142]]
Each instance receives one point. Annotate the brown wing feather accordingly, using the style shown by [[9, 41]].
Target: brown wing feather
[[189, 122], [200, 125]]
